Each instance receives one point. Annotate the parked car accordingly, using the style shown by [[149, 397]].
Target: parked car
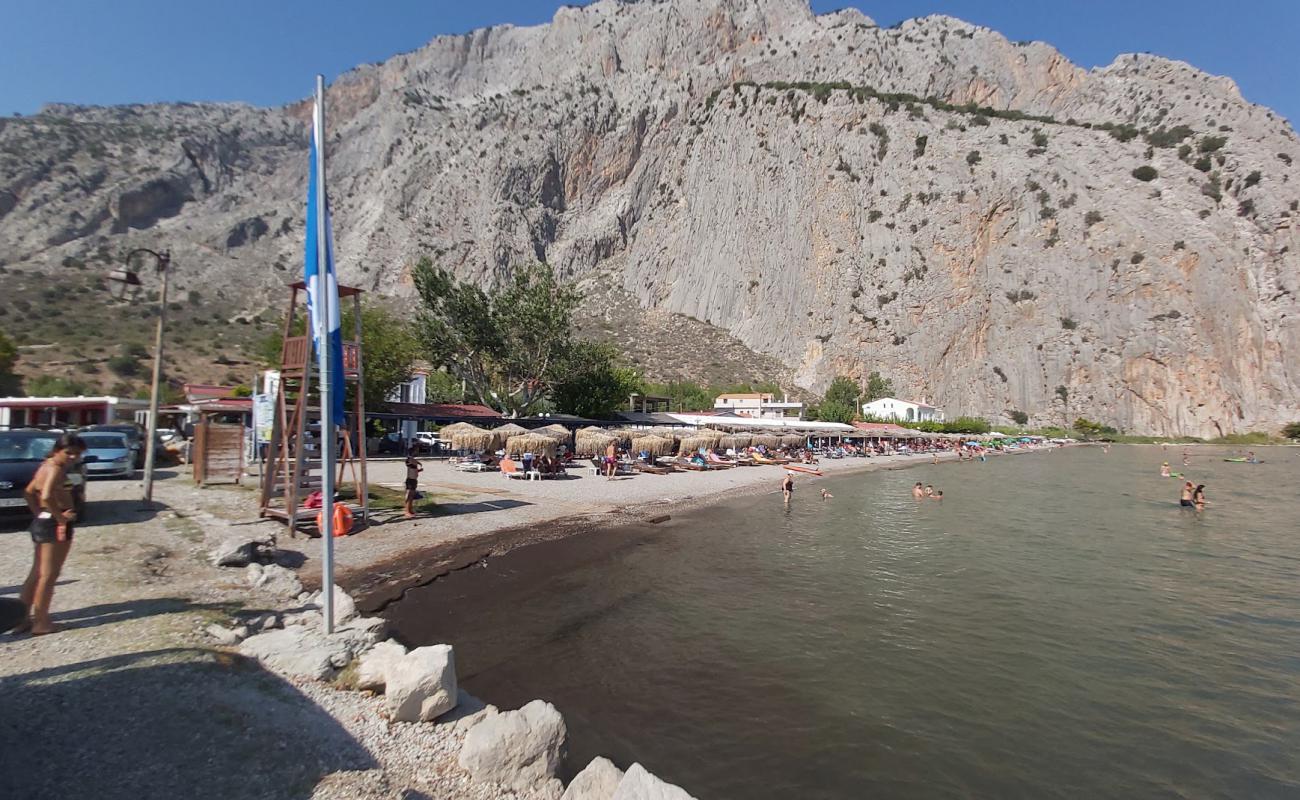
[[134, 435], [21, 454], [108, 453], [426, 441]]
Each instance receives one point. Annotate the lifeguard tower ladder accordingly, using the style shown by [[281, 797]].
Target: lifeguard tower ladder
[[294, 459]]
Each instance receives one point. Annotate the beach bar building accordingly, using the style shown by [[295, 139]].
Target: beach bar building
[[66, 412]]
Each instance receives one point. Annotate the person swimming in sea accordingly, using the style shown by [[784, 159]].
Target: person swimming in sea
[[938, 495], [1186, 499], [929, 489], [826, 495], [1164, 470], [917, 491]]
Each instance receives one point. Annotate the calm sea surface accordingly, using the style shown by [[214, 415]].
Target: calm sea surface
[[1057, 627]]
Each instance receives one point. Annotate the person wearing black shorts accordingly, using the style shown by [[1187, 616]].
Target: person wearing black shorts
[[413, 470], [53, 513]]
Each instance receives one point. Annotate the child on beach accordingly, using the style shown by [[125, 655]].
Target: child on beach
[[826, 495]]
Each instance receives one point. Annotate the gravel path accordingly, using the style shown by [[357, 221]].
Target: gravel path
[[132, 701]]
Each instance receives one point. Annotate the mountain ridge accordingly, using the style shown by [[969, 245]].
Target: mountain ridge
[[773, 173]]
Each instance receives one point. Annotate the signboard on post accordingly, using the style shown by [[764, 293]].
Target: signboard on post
[[263, 417]]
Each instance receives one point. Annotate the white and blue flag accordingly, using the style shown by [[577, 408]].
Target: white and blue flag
[[316, 283]]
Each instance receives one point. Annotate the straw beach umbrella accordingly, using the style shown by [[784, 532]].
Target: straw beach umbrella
[[475, 441], [559, 433], [448, 431], [652, 444], [531, 443], [736, 441], [692, 444], [508, 430], [793, 440], [767, 440], [589, 443]]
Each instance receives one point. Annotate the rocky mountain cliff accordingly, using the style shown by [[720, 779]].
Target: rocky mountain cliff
[[982, 221]]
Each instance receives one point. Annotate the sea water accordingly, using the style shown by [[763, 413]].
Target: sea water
[[1057, 627]]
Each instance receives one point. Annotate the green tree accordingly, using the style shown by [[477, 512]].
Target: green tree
[[54, 386], [442, 387], [1292, 430], [10, 384], [593, 382], [507, 345], [684, 395], [840, 403], [877, 387]]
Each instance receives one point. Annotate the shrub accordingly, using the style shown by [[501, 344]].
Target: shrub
[[1253, 178], [1124, 133], [1040, 139], [1092, 218], [124, 366], [973, 157], [1136, 258], [1284, 158], [873, 215], [1018, 417], [1203, 164], [1068, 323], [979, 119], [1184, 151], [1063, 393], [1211, 189], [1292, 431], [1212, 143], [919, 149], [1168, 138], [1180, 245], [1145, 173]]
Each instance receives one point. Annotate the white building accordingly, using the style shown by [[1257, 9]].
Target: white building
[[759, 405], [903, 410]]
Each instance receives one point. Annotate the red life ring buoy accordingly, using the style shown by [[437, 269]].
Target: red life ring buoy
[[342, 520]]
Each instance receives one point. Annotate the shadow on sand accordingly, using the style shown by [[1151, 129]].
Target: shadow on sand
[[176, 722]]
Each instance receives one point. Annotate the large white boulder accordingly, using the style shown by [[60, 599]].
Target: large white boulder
[[638, 784], [344, 607], [304, 651], [597, 781], [241, 550], [520, 749], [273, 579], [421, 684], [372, 672]]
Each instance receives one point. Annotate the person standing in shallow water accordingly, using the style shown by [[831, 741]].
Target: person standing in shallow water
[[1198, 497], [53, 512], [787, 487], [917, 491], [1186, 499]]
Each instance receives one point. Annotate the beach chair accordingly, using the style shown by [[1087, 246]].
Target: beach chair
[[653, 469], [512, 470], [719, 463]]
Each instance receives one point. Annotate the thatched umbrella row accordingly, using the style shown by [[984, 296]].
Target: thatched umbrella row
[[652, 445], [536, 444]]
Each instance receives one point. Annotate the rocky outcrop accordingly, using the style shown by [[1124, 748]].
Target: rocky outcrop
[[372, 670], [1117, 243], [639, 784]]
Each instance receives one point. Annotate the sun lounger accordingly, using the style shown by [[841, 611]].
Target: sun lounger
[[512, 470], [641, 466], [471, 466], [719, 463]]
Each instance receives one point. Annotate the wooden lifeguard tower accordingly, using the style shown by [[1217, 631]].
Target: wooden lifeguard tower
[[294, 458]]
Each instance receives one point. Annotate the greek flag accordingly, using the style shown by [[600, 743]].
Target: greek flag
[[330, 355]]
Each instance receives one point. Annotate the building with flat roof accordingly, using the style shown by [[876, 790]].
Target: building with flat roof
[[759, 405], [66, 412]]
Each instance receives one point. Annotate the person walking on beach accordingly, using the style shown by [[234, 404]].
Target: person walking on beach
[[611, 461], [787, 487], [53, 513], [413, 470], [1186, 499]]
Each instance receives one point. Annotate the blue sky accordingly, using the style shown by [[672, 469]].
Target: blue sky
[[266, 52]]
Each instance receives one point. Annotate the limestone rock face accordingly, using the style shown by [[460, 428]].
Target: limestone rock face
[[422, 684], [520, 749], [813, 187]]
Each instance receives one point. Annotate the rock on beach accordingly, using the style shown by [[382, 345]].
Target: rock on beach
[[639, 784], [597, 781], [372, 672], [520, 749], [421, 685]]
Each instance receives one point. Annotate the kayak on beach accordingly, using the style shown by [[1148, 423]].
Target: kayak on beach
[[1243, 461]]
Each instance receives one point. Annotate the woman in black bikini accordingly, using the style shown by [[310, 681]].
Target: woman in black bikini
[[413, 470], [787, 487]]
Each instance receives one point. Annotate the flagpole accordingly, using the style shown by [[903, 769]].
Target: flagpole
[[326, 368]]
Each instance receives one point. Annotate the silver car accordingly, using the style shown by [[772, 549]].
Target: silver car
[[108, 453]]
